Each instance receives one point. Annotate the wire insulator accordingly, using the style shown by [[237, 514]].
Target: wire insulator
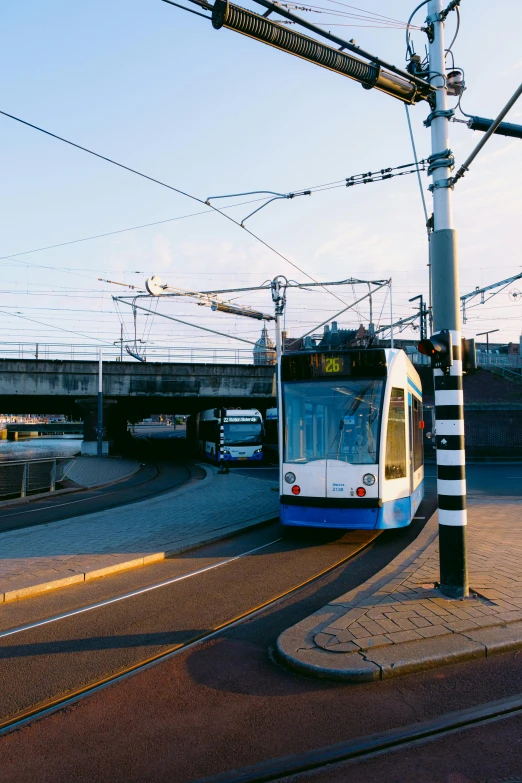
[[225, 14]]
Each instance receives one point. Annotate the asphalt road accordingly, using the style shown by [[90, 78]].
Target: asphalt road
[[227, 703]]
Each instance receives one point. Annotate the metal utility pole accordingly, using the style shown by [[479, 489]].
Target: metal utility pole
[[391, 315], [100, 404], [449, 403], [278, 286], [487, 337], [422, 315]]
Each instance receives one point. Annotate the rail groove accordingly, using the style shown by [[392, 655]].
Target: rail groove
[[44, 709]]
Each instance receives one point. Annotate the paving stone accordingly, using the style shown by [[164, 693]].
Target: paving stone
[[405, 636], [405, 624], [349, 617], [461, 625], [389, 626], [420, 622], [373, 641], [324, 639], [342, 647]]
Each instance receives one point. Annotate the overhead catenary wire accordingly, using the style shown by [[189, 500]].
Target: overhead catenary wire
[[412, 139], [51, 326], [365, 11], [374, 24], [162, 184], [358, 179]]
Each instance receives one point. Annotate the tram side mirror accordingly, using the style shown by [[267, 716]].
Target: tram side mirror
[[439, 348]]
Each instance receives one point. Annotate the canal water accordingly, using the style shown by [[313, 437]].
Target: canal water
[[39, 448]]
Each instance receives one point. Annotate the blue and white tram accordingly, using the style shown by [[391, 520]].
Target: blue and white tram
[[352, 439]]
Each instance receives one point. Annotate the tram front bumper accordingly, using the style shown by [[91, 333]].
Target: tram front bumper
[[356, 514]]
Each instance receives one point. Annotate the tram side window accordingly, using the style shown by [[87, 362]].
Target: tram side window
[[395, 463], [418, 452]]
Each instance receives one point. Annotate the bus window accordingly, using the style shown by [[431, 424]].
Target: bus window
[[395, 462]]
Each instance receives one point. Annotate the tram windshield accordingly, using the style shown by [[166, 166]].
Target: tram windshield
[[325, 420]]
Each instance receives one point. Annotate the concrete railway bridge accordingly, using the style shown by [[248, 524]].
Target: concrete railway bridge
[[132, 391]]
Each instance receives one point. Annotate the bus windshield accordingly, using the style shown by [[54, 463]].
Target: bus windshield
[[243, 433], [332, 420]]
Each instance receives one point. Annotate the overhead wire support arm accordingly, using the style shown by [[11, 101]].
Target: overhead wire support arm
[[501, 284], [186, 323], [333, 317], [469, 160], [276, 197]]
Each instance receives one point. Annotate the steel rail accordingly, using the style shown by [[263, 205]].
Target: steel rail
[[19, 720], [366, 747]]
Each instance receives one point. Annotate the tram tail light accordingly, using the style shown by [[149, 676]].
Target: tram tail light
[[296, 490], [361, 492]]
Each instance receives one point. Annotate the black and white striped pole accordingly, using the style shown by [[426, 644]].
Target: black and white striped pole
[[223, 467], [449, 403]]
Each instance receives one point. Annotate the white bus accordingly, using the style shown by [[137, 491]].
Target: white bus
[[231, 435]]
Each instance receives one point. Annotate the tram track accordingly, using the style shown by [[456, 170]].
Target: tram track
[[45, 708], [364, 748]]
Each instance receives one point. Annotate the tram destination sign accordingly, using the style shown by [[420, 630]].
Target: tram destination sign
[[369, 363]]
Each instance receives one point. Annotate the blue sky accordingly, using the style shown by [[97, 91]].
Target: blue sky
[[214, 112]]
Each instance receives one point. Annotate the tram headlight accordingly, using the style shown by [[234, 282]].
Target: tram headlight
[[290, 478], [369, 479]]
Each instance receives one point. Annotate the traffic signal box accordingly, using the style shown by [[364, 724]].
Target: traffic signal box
[[439, 348]]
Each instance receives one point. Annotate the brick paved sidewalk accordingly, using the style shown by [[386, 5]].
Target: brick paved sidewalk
[[399, 622], [36, 559]]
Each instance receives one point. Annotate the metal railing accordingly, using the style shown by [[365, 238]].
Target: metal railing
[[20, 478], [511, 373], [111, 353], [498, 359]]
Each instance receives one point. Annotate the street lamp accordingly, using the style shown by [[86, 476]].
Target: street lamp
[[490, 331]]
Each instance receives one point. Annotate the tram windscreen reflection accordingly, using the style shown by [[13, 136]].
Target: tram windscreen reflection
[[337, 421]]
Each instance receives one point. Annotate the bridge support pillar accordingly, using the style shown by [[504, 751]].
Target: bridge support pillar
[[89, 408]]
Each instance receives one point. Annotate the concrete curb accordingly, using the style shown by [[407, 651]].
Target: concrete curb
[[297, 649], [66, 491], [227, 531]]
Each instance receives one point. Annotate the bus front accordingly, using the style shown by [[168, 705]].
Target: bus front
[[242, 436], [332, 403]]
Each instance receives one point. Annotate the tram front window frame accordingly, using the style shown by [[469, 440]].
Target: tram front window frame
[[332, 420]]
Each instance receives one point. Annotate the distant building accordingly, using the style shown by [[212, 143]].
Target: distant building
[[338, 339], [264, 350]]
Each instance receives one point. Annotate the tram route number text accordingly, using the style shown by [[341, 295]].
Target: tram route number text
[[332, 364]]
